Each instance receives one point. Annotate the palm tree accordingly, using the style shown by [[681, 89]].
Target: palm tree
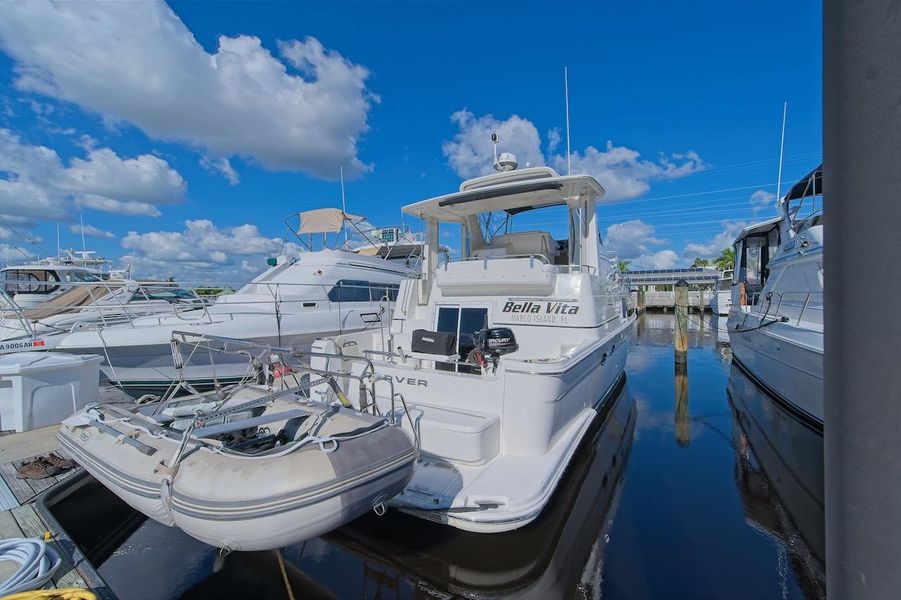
[[725, 260], [700, 262], [622, 265]]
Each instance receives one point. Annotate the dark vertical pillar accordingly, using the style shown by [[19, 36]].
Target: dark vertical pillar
[[862, 185]]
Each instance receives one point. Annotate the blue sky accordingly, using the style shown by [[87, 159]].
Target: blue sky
[[189, 135]]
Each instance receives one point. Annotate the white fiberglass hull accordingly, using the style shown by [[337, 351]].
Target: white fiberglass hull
[[511, 489], [787, 361]]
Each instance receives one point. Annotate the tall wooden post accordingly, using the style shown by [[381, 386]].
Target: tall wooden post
[[680, 341]]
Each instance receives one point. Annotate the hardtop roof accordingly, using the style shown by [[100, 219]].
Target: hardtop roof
[[513, 192]]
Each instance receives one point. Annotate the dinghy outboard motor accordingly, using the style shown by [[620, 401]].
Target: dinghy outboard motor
[[495, 342]]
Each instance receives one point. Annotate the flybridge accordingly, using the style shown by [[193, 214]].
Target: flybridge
[[551, 308]]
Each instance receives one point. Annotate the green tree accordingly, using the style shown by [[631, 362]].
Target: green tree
[[622, 265], [725, 260], [700, 262]]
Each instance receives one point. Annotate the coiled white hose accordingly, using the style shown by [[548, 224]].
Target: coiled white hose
[[37, 564]]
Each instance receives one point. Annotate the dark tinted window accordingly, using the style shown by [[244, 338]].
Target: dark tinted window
[[380, 290], [349, 290], [472, 320]]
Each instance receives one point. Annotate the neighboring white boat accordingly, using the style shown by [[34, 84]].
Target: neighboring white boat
[[721, 299], [296, 300], [505, 356], [86, 304], [245, 467], [32, 284], [776, 321]]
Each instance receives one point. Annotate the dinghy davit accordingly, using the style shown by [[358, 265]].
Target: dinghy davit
[[259, 469]]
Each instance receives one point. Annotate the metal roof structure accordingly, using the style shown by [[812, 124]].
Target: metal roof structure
[[692, 275]]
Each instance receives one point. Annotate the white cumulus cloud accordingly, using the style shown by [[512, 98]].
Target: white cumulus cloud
[[621, 170], [662, 259], [137, 62], [471, 152], [762, 199], [92, 231], [35, 183], [202, 248], [714, 246], [631, 239]]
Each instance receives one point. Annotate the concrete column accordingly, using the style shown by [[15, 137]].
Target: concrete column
[[862, 183]]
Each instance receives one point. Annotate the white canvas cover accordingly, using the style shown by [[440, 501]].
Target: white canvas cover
[[324, 220]]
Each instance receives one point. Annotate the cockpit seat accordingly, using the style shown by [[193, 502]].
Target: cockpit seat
[[527, 243]]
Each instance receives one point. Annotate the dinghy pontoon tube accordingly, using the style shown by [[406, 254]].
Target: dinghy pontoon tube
[[256, 467]]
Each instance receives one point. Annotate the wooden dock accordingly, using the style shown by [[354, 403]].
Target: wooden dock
[[20, 519]]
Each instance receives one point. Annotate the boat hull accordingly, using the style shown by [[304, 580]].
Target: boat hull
[[787, 361]]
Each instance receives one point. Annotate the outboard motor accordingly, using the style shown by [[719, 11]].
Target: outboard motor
[[492, 344], [497, 341]]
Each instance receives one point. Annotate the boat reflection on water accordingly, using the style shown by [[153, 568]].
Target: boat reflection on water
[[561, 554], [779, 473]]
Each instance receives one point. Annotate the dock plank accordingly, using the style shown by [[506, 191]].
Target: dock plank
[[22, 491], [9, 528], [69, 579], [33, 526]]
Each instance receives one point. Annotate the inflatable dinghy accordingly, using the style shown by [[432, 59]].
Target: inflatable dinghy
[[256, 469]]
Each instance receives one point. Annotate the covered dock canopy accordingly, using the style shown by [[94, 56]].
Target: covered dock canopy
[[692, 275], [513, 192]]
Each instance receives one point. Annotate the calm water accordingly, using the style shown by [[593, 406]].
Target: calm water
[[691, 486]]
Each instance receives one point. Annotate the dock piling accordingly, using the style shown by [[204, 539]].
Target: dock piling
[[680, 338]]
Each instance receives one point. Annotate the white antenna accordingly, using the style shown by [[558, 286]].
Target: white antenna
[[343, 205], [781, 148], [569, 167], [57, 242], [84, 248]]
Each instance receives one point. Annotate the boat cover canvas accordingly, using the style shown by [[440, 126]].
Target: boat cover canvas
[[324, 220]]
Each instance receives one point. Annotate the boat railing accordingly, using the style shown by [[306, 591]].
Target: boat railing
[[540, 258], [786, 306], [270, 363], [8, 304], [121, 302]]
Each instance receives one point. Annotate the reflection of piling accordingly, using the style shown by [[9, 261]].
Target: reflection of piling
[[680, 341], [683, 430]]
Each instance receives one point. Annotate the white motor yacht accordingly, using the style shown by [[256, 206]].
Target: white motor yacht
[[776, 321], [296, 300], [32, 284], [503, 357], [721, 299], [105, 302]]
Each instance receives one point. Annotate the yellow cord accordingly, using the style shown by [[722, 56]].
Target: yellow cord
[[59, 594]]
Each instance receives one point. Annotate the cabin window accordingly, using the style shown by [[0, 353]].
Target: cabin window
[[30, 282], [351, 290], [465, 323]]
